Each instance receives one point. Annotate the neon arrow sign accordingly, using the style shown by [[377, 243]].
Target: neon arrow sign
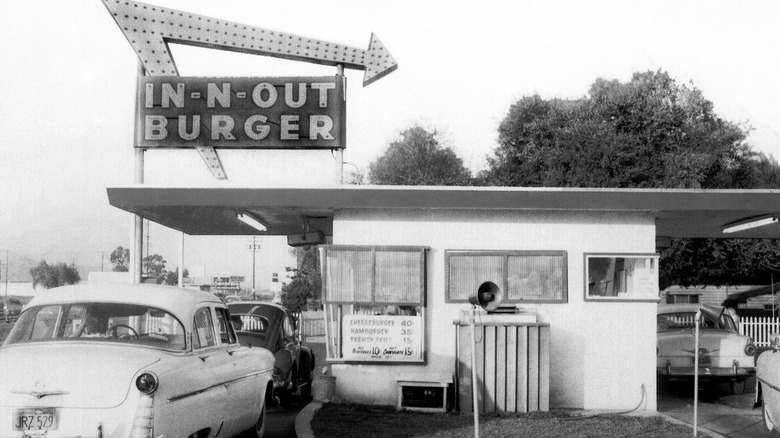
[[150, 28]]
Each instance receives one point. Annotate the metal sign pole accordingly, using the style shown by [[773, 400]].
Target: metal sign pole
[[696, 321], [474, 370], [138, 235]]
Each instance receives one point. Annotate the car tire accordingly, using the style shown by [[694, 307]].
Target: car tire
[[259, 429], [306, 388], [767, 421]]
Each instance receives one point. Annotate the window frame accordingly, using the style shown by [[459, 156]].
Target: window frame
[[214, 335], [335, 310], [374, 249], [506, 254], [616, 299], [223, 317]]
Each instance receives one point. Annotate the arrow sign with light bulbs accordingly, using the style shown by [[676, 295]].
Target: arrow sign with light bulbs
[[150, 28]]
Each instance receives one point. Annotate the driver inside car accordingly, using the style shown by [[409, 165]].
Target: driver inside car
[[93, 327]]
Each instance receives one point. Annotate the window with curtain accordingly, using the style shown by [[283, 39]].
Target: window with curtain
[[523, 276], [374, 299]]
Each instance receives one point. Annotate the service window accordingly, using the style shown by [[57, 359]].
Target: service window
[[374, 303], [621, 277], [522, 276]]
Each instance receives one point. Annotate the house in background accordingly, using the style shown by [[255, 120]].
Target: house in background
[[747, 300]]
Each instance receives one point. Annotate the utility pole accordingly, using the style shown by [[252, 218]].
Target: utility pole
[[102, 259], [254, 245], [6, 274]]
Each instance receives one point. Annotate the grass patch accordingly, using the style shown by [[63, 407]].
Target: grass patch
[[347, 420]]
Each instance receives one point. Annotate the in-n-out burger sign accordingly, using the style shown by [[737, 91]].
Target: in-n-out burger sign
[[279, 113]]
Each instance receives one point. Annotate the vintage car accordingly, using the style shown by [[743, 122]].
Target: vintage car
[[270, 326], [130, 361], [768, 383], [724, 354]]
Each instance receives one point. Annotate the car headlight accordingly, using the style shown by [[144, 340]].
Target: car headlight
[[750, 348], [147, 383]]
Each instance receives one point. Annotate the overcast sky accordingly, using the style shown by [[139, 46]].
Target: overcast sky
[[68, 84]]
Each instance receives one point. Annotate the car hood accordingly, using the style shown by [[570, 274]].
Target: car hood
[[681, 343], [70, 374]]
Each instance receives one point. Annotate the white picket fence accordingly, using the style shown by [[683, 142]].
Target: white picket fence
[[760, 328]]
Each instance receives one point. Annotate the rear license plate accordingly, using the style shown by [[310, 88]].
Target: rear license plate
[[35, 419], [703, 360]]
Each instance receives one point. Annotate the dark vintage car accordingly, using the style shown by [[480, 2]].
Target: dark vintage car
[[270, 326]]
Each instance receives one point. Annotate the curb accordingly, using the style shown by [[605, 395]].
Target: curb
[[709, 432], [304, 417]]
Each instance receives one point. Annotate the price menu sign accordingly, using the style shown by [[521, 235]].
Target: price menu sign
[[382, 338]]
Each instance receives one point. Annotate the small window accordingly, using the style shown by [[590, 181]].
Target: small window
[[523, 276], [621, 277], [374, 303], [203, 333], [682, 299], [226, 333]]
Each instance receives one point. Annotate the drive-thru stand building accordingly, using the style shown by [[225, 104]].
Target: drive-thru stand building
[[580, 263]]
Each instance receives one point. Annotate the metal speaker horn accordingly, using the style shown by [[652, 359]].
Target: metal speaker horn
[[489, 296]]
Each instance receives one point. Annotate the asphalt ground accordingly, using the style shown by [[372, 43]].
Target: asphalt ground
[[731, 415]]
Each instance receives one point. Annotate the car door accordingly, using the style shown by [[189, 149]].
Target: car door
[[769, 372], [198, 402], [242, 381]]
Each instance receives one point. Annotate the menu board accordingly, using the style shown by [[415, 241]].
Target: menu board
[[382, 338]]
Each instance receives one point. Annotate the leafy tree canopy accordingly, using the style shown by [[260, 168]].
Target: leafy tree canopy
[[419, 158], [305, 284], [648, 132], [56, 275], [172, 277], [120, 258], [155, 266]]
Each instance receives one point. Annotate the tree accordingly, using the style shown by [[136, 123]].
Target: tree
[[418, 158], [172, 277], [648, 132], [155, 266], [691, 262], [305, 284], [56, 275], [120, 257]]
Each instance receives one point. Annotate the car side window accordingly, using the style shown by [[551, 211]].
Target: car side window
[[226, 333], [288, 327], [203, 333]]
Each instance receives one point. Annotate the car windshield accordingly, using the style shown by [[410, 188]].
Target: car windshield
[[250, 323], [685, 320], [99, 322]]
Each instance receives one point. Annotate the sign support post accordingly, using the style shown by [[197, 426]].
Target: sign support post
[[138, 235]]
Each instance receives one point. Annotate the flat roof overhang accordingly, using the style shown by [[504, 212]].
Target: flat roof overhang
[[213, 210]]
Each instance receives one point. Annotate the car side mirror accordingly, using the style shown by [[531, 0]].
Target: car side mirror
[[774, 341]]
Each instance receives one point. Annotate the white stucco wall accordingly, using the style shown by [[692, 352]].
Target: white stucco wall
[[601, 354]]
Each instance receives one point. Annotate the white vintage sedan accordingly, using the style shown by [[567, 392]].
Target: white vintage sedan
[[768, 383], [724, 354], [130, 361]]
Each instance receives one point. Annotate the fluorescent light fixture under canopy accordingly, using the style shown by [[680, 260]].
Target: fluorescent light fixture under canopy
[[751, 222], [251, 221]]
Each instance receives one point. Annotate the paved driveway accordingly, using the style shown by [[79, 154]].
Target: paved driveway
[[730, 415]]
